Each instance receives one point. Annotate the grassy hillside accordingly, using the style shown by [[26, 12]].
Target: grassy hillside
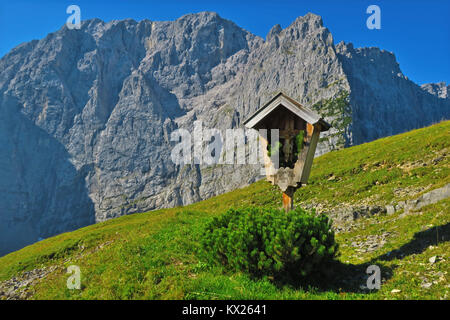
[[154, 255]]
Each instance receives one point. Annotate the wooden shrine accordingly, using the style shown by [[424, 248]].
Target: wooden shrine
[[299, 130]]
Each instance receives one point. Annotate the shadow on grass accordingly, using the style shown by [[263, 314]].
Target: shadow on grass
[[338, 277], [352, 278], [420, 242]]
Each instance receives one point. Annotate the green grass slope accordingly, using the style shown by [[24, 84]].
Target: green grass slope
[[153, 255]]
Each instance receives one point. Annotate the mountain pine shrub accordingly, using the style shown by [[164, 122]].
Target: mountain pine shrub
[[270, 242]]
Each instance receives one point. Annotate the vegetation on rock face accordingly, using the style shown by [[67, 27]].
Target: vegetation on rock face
[[339, 110], [269, 242], [157, 255]]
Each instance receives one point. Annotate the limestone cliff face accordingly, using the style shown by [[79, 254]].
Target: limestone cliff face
[[86, 115], [384, 101], [438, 89]]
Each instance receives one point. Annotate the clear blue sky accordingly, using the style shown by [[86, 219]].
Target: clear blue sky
[[418, 32]]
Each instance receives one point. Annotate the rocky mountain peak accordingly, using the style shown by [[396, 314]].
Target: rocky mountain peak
[[274, 31], [314, 21], [308, 26], [440, 89], [203, 16]]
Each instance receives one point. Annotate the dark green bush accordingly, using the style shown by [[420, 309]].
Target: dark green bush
[[269, 242]]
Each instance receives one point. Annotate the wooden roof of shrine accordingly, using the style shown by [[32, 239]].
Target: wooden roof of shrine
[[290, 104]]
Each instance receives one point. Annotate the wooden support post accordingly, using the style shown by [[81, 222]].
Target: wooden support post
[[288, 199]]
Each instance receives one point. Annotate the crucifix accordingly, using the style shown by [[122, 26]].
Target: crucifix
[[298, 129]]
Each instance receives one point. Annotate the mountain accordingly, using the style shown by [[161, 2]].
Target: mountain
[[388, 199], [438, 89], [86, 115]]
